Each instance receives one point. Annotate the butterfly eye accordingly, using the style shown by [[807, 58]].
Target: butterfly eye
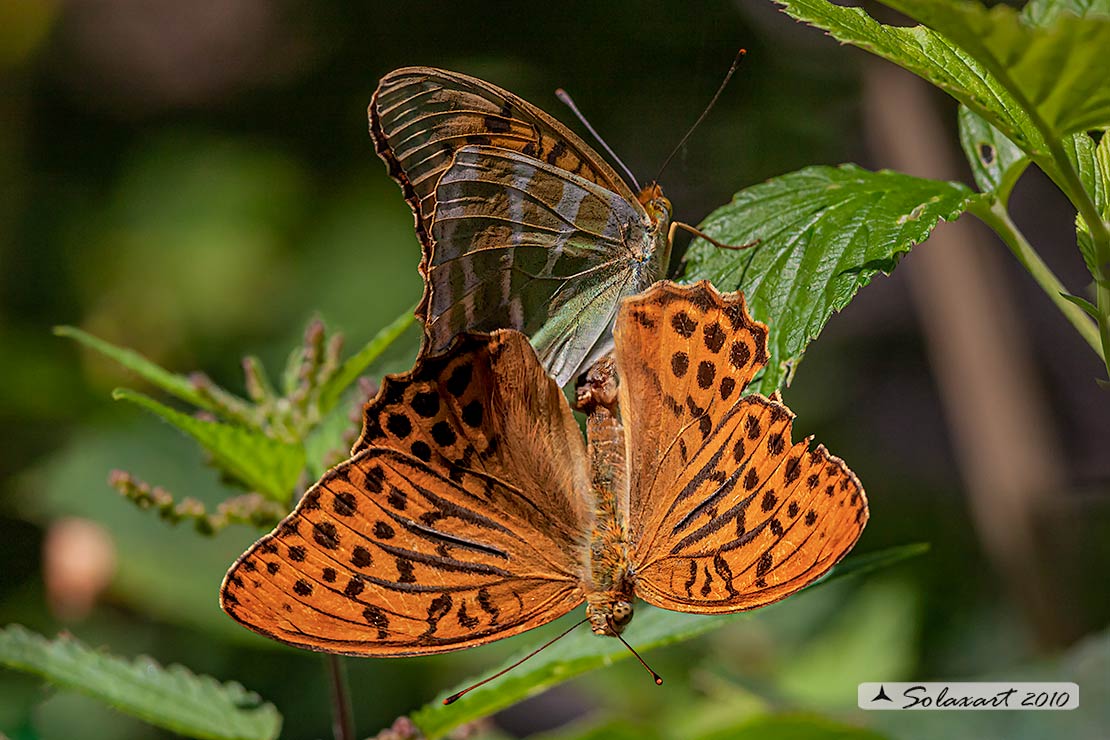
[[661, 209], [622, 613]]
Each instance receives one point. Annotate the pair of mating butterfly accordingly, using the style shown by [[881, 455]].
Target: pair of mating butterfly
[[471, 509]]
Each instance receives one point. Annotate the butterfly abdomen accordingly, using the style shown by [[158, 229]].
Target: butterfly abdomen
[[608, 576]]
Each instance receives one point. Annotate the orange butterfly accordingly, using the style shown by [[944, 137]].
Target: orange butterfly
[[472, 510]]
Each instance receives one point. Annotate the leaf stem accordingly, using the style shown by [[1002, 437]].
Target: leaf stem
[[1060, 169], [993, 213], [342, 721], [1073, 188]]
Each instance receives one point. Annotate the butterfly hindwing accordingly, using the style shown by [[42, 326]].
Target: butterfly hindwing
[[457, 521], [725, 512]]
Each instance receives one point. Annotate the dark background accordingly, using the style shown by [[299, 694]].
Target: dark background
[[195, 181]]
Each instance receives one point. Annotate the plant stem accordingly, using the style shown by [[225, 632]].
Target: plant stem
[[342, 721], [995, 216], [1100, 239], [1102, 288], [1061, 170]]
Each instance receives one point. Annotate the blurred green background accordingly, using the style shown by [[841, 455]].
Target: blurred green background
[[195, 180]]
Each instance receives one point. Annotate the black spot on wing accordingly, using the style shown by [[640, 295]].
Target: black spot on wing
[[399, 425]]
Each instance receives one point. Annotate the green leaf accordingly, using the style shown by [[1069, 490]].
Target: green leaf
[[824, 233], [792, 727], [176, 385], [172, 698], [1082, 303], [265, 465], [995, 162], [1005, 70], [1093, 165], [931, 56], [357, 363], [1052, 70], [327, 438], [1044, 12], [582, 651]]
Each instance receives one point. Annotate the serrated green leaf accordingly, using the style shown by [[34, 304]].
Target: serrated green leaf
[[173, 698], [1044, 12], [176, 385], [1052, 69], [931, 56], [265, 465], [996, 163], [1093, 165], [1043, 68], [824, 232], [582, 651], [356, 364]]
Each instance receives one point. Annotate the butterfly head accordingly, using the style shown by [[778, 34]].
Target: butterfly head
[[656, 204], [609, 616]]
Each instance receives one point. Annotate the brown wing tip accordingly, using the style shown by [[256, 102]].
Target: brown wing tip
[[229, 602], [851, 480]]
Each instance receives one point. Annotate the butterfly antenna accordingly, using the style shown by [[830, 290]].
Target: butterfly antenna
[[724, 83], [656, 676], [562, 95], [455, 697]]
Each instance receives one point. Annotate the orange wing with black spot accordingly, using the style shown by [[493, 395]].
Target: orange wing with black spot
[[458, 520], [725, 511]]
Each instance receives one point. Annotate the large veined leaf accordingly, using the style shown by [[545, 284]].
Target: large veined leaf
[[931, 56], [1057, 70], [264, 464], [999, 66], [823, 233], [173, 697], [583, 651]]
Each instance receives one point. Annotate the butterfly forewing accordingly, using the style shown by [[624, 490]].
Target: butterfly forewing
[[458, 520], [550, 253], [487, 174], [421, 116], [725, 512]]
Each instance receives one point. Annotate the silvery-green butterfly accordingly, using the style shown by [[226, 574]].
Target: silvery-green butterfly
[[523, 225]]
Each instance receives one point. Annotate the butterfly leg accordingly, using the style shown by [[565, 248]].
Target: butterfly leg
[[675, 225]]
